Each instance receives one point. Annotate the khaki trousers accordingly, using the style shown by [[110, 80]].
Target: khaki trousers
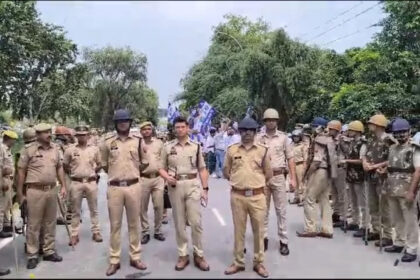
[[374, 188], [152, 187], [256, 207], [339, 194], [118, 199], [300, 186], [359, 213], [276, 188], [318, 189], [404, 217], [77, 193], [185, 201], [42, 212], [5, 204]]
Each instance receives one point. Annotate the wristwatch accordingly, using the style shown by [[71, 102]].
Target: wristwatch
[[206, 188]]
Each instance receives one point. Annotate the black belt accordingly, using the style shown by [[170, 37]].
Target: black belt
[[151, 175], [299, 163], [401, 170], [182, 177], [84, 180], [124, 183]]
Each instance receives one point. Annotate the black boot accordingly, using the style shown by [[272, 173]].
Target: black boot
[[360, 233], [145, 239], [5, 234], [394, 249], [159, 237], [385, 242], [265, 244], [4, 271], [372, 236], [284, 249], [353, 227], [7, 229], [335, 217], [32, 263], [53, 258], [408, 257]]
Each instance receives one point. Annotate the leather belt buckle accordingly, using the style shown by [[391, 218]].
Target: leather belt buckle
[[45, 188], [249, 193], [153, 175], [84, 180], [183, 177], [122, 184]]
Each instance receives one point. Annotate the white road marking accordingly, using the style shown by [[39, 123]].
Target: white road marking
[[218, 216], [5, 241]]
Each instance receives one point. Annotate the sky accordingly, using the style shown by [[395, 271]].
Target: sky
[[176, 34]]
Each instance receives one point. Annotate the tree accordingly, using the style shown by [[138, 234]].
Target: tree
[[118, 80], [31, 51]]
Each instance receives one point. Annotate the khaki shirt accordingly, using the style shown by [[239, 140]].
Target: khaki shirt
[[279, 149], [6, 161], [180, 159], [324, 152], [247, 169], [300, 151], [121, 157], [40, 164], [154, 153], [82, 162]]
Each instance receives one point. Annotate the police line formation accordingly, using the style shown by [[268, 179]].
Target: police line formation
[[375, 175]]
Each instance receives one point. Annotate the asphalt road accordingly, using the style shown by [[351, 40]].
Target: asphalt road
[[342, 256]]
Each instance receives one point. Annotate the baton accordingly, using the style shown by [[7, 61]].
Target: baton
[[65, 222]]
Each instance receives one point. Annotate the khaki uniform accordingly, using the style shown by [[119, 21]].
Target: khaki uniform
[[181, 160], [82, 164], [152, 185], [122, 160], [41, 167], [279, 151], [355, 178], [7, 172], [247, 171], [338, 187], [377, 151], [403, 214], [300, 151], [319, 183]]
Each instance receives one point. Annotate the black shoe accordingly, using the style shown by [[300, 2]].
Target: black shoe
[[372, 236], [394, 249], [165, 221], [41, 250], [60, 222], [32, 263], [284, 249], [4, 271], [5, 234], [360, 233], [145, 239], [385, 242], [338, 224], [53, 258], [408, 257], [159, 236], [265, 244], [353, 227], [335, 217], [7, 229]]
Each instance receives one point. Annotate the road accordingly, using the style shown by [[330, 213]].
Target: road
[[342, 256]]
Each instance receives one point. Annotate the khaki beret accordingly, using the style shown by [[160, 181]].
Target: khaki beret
[[42, 127], [144, 124]]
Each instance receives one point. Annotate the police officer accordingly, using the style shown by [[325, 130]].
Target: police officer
[[338, 187], [300, 152], [7, 171], [322, 168], [181, 161], [248, 169], [355, 177], [151, 184], [40, 165], [121, 160], [403, 212], [374, 158], [82, 162], [281, 154], [63, 140]]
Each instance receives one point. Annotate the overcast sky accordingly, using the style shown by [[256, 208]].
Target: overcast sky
[[174, 35]]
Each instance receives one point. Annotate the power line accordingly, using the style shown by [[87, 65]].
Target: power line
[[333, 18], [351, 34], [347, 20]]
